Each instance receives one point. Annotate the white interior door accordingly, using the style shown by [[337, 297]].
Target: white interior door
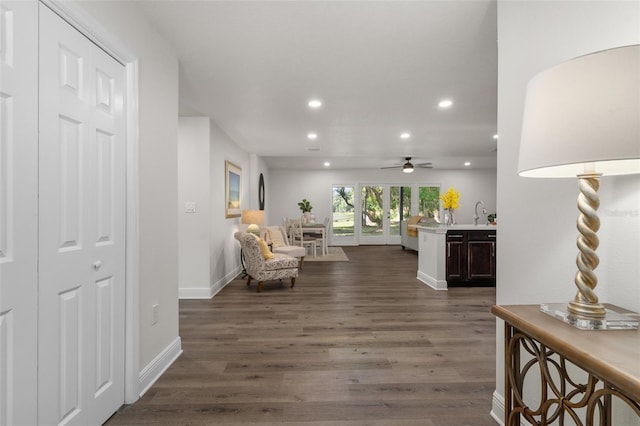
[[18, 209], [81, 226]]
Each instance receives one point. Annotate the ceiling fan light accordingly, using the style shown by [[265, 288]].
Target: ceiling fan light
[[407, 168]]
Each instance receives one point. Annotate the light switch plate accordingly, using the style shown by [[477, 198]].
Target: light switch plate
[[190, 207]]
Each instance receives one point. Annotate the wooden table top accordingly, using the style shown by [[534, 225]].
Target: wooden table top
[[313, 225], [612, 355]]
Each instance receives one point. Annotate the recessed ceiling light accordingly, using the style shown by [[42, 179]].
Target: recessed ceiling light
[[466, 163], [445, 103], [327, 164], [312, 136], [405, 135], [495, 136], [315, 103]]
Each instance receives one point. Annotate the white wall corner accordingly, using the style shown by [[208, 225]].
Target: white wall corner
[[152, 371], [432, 282], [497, 409], [223, 282]]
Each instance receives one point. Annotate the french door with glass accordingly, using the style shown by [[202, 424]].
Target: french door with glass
[[342, 232], [371, 213], [379, 215]]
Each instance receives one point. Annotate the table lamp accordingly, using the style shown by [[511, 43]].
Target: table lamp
[[582, 119], [253, 218]]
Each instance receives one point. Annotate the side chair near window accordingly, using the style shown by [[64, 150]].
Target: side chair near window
[[319, 235], [262, 265], [276, 237], [288, 224], [299, 239]]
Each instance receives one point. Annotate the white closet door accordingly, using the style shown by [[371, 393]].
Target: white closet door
[[18, 210], [81, 226]]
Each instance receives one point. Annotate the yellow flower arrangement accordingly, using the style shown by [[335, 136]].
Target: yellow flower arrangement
[[450, 199]]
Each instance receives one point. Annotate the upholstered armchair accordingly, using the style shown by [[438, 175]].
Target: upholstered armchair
[[262, 265], [277, 237]]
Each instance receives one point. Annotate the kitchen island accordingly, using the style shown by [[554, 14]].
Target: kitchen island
[[456, 255]]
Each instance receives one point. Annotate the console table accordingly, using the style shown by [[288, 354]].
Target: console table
[[538, 347]]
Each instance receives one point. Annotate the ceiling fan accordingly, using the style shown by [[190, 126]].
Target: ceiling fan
[[408, 167]]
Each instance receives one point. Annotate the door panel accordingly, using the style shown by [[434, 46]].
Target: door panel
[[18, 206], [480, 260], [393, 214], [70, 354], [81, 221], [379, 214], [343, 215], [373, 221]]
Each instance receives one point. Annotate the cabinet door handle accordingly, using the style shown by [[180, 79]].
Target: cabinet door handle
[[454, 236], [491, 236], [493, 249]]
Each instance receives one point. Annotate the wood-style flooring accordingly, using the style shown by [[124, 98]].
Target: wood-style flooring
[[353, 343]]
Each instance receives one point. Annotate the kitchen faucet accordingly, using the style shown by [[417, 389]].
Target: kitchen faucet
[[476, 216]]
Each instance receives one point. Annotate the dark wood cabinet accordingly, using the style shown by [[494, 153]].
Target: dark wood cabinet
[[456, 256], [471, 258]]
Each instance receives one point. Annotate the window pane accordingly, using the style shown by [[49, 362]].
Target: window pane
[[371, 211], [343, 211], [429, 202], [406, 202]]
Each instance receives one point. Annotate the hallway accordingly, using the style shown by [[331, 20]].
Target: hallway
[[354, 343]]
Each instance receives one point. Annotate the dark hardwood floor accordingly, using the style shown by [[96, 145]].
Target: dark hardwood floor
[[353, 343]]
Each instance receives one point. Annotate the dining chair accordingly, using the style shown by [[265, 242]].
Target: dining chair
[[321, 239], [298, 238], [287, 224]]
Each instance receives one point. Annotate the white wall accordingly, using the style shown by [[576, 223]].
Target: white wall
[[158, 130], [224, 250], [208, 253], [194, 187], [288, 187], [537, 218]]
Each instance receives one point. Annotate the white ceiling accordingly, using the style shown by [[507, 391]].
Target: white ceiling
[[380, 68]]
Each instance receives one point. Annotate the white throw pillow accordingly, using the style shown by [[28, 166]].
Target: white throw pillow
[[276, 238]]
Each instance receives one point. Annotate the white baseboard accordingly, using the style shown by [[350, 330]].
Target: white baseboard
[[497, 409], [194, 293], [224, 281], [152, 371], [432, 282], [207, 292]]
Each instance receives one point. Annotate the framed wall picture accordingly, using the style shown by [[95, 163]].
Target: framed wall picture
[[232, 181]]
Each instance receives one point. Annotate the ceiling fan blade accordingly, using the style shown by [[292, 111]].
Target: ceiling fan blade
[[409, 165]]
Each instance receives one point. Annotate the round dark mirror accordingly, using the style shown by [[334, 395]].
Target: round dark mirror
[[261, 192]]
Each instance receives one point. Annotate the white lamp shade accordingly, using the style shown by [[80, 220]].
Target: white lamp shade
[[584, 115], [252, 217]]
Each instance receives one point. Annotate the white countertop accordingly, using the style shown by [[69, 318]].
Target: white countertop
[[441, 229]]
